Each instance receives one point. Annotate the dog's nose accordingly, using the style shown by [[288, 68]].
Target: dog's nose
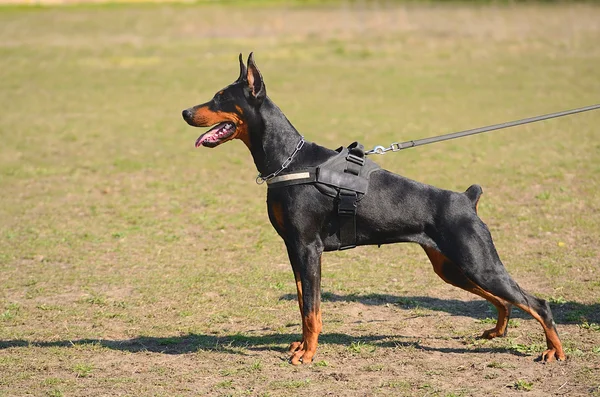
[[187, 115]]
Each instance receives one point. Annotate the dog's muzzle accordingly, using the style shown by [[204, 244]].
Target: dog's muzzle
[[188, 115]]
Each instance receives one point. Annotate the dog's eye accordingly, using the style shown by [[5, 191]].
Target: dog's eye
[[220, 98]]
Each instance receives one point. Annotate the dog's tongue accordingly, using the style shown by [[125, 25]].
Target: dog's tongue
[[208, 134], [201, 139], [216, 133]]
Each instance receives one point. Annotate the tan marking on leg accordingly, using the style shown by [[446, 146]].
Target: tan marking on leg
[[311, 328], [501, 323], [295, 346], [555, 349], [314, 326], [299, 291]]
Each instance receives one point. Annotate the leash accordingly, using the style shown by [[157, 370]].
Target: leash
[[394, 147]]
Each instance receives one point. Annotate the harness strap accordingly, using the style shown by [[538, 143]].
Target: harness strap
[[348, 196], [347, 218]]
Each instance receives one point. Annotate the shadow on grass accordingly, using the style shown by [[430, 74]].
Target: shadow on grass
[[564, 313], [239, 344]]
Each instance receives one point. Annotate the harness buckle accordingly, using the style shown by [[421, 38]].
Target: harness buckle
[[355, 159]]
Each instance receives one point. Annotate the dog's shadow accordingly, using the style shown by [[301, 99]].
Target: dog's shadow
[[242, 344], [564, 313]]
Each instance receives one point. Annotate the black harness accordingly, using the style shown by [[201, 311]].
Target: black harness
[[345, 177]]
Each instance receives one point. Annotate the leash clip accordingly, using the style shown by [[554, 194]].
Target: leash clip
[[379, 150]]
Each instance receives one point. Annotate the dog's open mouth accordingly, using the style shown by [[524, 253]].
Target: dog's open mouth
[[216, 135]]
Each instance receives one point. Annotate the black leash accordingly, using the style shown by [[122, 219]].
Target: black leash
[[394, 147]]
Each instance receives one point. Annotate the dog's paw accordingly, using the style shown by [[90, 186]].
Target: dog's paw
[[300, 354], [552, 354], [295, 346], [301, 357], [491, 334]]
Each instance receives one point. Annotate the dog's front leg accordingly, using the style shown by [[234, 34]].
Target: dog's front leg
[[306, 262], [295, 346]]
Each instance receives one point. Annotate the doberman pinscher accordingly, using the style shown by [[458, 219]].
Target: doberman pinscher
[[395, 209]]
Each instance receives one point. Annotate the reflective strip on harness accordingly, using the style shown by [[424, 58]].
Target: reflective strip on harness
[[289, 177]]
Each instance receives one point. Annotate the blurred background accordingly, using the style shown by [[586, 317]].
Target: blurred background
[[132, 263]]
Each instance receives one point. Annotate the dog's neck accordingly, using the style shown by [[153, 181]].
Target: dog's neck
[[274, 141]]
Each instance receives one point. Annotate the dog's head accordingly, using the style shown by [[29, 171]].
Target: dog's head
[[232, 111]]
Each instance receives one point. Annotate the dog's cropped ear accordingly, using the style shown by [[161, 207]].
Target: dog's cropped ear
[[255, 80], [243, 70]]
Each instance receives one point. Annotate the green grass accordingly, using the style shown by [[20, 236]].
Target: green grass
[[523, 385], [83, 370], [591, 327], [132, 263]]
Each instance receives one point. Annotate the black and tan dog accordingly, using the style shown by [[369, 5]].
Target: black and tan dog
[[395, 209]]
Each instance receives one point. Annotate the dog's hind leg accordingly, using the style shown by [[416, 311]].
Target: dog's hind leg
[[472, 253], [451, 274], [491, 276], [502, 291], [539, 309]]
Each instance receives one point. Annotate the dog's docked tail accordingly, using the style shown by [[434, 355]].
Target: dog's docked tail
[[474, 192]]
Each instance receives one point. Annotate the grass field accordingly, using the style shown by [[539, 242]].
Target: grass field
[[133, 264]]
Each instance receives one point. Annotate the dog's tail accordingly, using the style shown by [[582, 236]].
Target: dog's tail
[[474, 192]]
